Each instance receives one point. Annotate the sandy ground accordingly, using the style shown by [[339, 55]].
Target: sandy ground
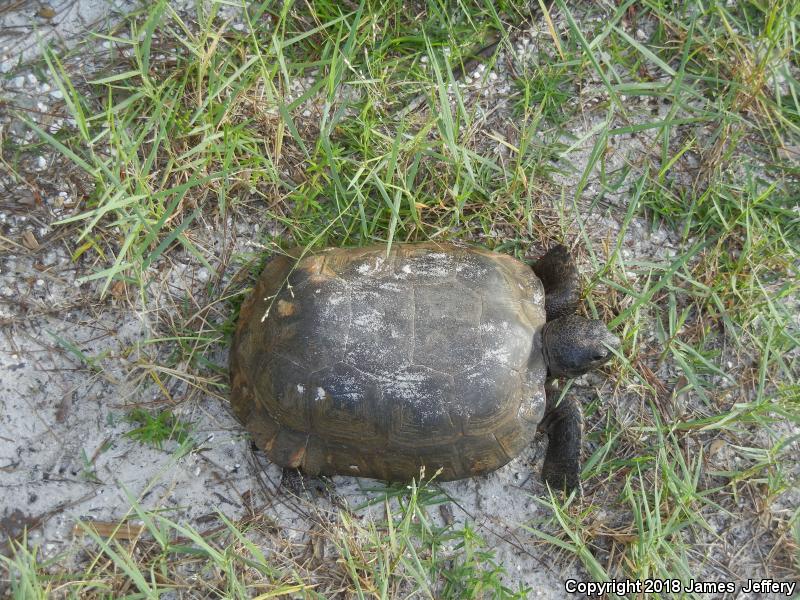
[[27, 24], [63, 453]]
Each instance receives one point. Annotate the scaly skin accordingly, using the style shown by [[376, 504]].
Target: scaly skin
[[572, 345]]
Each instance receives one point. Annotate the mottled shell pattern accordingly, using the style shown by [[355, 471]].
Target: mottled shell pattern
[[352, 361]]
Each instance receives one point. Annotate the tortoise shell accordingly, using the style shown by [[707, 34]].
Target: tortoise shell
[[359, 362]]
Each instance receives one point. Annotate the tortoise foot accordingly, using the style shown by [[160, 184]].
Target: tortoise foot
[[562, 475]]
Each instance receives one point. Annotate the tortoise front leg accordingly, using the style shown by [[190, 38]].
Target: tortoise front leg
[[564, 427], [559, 276]]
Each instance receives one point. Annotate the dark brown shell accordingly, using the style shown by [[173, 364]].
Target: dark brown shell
[[350, 361]]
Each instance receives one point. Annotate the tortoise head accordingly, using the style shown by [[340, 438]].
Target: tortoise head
[[573, 345]]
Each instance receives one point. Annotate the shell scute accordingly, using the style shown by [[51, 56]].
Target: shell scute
[[381, 333], [447, 333], [314, 331], [345, 403], [420, 401], [488, 397]]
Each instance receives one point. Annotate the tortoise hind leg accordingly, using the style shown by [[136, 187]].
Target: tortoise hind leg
[[293, 480], [559, 277], [301, 484], [564, 427], [302, 465]]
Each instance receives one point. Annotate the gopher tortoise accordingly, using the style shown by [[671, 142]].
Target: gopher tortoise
[[375, 364]]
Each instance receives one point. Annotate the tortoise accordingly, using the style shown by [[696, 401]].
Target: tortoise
[[374, 363]]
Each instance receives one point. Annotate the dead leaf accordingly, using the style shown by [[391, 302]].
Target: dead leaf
[[118, 289], [447, 513], [116, 529], [46, 12], [716, 446], [318, 548], [29, 240], [26, 198]]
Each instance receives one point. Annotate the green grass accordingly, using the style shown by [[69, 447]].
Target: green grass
[[155, 429], [691, 428]]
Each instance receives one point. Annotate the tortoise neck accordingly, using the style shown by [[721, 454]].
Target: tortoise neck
[[546, 348]]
